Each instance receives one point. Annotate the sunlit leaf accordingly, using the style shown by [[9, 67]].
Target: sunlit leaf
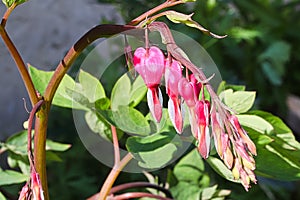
[[255, 122], [127, 92], [2, 197], [220, 168], [279, 159], [56, 146], [177, 17], [239, 101], [91, 86], [61, 98]]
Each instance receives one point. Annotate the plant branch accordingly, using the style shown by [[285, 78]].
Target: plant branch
[[30, 122], [7, 14], [97, 32], [111, 178], [140, 185], [116, 145], [21, 66], [40, 132], [166, 4], [131, 195]]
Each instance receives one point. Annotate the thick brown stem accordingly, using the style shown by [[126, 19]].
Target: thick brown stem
[[41, 122]]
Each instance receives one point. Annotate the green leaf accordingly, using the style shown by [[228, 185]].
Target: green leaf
[[61, 98], [18, 144], [191, 163], [220, 168], [255, 122], [239, 101], [9, 177], [154, 151], [177, 17], [165, 124], [2, 197], [209, 192], [56, 146], [127, 92], [130, 120], [99, 125], [91, 86], [102, 104], [279, 159], [9, 3], [18, 161], [51, 156], [185, 190]]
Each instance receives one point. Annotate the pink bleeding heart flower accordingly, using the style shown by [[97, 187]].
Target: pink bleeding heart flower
[[242, 134], [221, 139], [202, 118], [173, 75], [196, 86], [25, 192], [149, 63], [36, 187]]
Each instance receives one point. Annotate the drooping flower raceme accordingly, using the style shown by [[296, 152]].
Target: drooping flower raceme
[[150, 64], [208, 119]]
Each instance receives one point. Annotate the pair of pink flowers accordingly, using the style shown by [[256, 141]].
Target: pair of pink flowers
[[231, 141], [151, 64]]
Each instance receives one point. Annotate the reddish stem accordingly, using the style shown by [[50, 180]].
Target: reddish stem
[[131, 195], [166, 4]]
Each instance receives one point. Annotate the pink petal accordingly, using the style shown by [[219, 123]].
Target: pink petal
[[24, 192], [204, 141], [196, 86], [154, 98], [36, 187], [243, 134], [186, 90], [175, 114], [149, 64], [173, 75]]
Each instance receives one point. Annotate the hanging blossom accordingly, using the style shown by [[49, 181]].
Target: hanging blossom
[[173, 74], [32, 189], [150, 64], [208, 119]]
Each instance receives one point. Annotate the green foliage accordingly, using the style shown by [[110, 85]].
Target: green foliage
[[8, 177], [192, 180], [9, 3], [128, 92], [154, 151], [239, 101], [16, 146]]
